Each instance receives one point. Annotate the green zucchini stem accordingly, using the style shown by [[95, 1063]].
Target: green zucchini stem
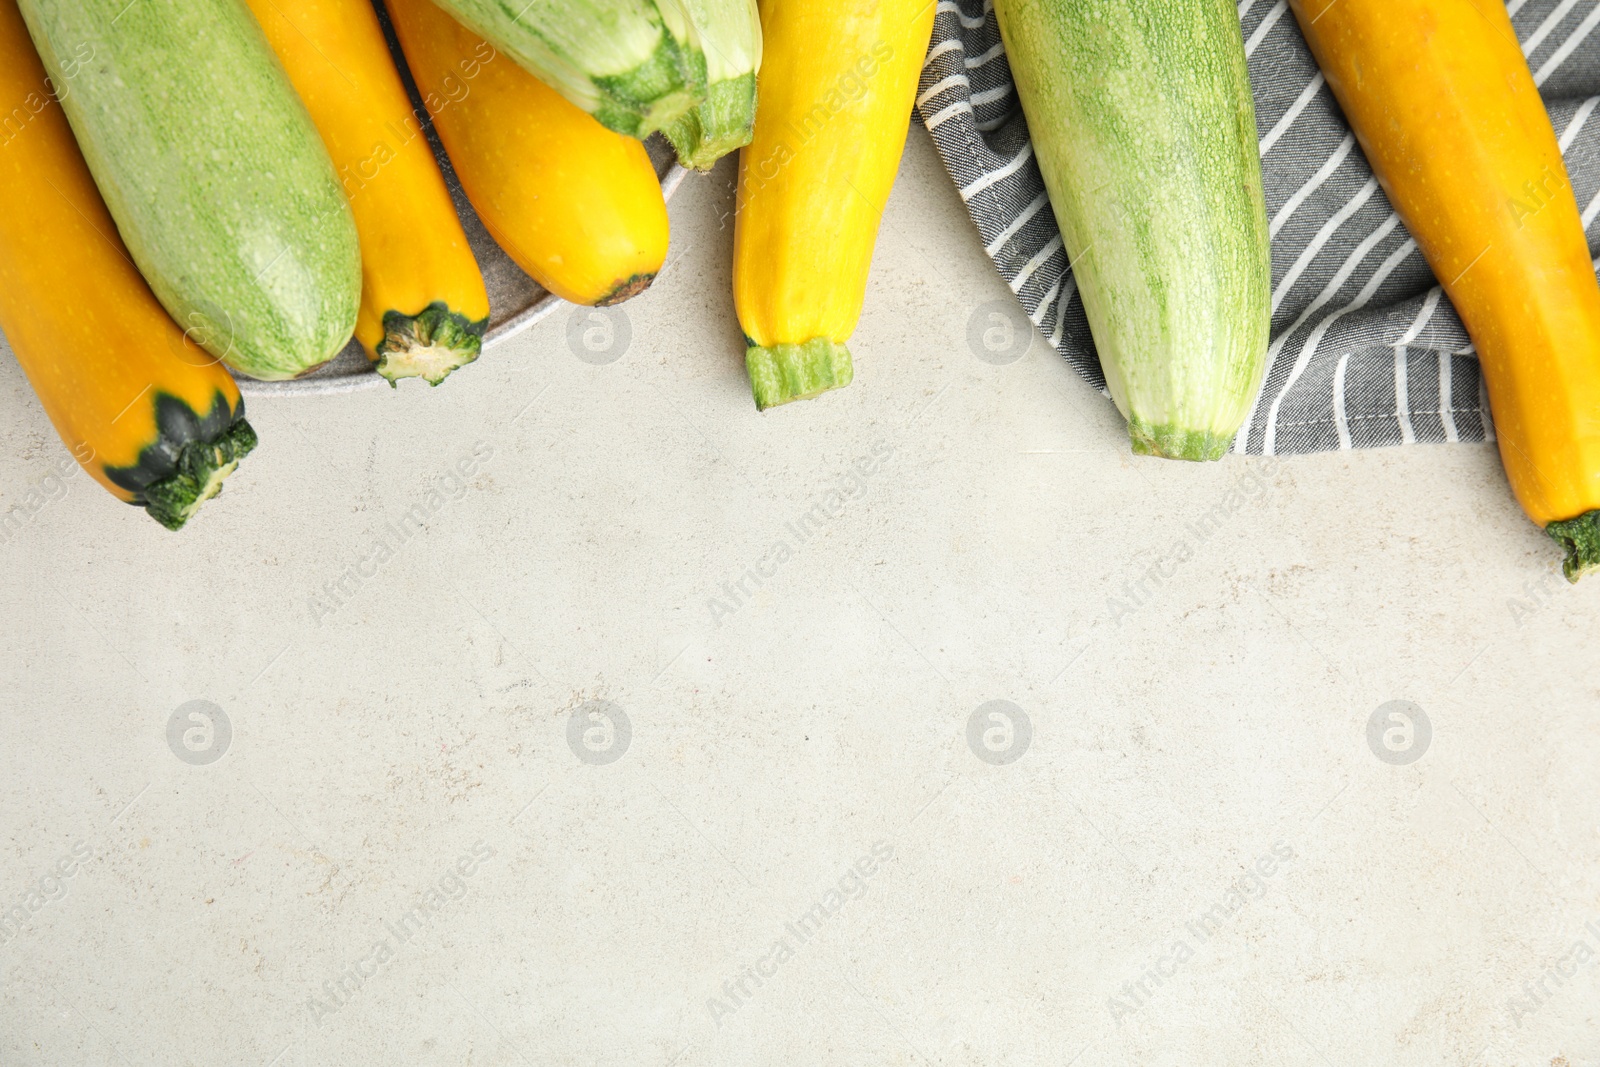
[[784, 372], [1171, 442], [655, 93], [1581, 539], [724, 122], [202, 466], [428, 345]]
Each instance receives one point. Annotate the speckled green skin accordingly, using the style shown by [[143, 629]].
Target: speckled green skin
[[635, 65], [1142, 120], [215, 175]]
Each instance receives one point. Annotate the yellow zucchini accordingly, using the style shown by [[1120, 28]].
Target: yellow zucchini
[[575, 205], [1444, 106], [423, 303], [836, 86], [148, 413]]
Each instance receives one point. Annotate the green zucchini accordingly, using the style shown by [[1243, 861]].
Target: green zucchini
[[730, 32], [215, 175], [1145, 133], [635, 65]]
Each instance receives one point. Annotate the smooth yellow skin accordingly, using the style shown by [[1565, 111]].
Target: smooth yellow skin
[[89, 334], [1441, 99], [837, 82], [413, 250], [575, 205]]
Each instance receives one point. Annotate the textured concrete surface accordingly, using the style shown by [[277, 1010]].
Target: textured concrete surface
[[665, 734]]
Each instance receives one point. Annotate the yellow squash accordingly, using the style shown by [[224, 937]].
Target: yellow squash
[[148, 413], [1440, 96], [423, 304], [836, 87], [575, 205]]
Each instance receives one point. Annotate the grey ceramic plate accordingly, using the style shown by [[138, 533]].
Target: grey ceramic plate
[[516, 301]]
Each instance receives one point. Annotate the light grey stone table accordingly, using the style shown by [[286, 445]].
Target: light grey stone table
[[665, 733]]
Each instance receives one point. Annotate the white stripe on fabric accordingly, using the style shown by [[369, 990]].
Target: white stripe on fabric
[[1484, 411], [1515, 6], [1579, 117], [1016, 224], [1061, 308], [1299, 105], [1341, 421], [1324, 235], [955, 9], [1402, 399], [1424, 316], [1246, 5], [994, 176], [971, 62], [1309, 349], [933, 122], [1323, 297], [1044, 303], [989, 96], [1551, 21], [1562, 54], [940, 49], [1312, 184], [1050, 249], [940, 86], [1445, 414], [1269, 20]]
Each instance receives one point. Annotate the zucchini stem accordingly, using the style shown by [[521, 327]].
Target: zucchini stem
[[655, 93], [1581, 539], [202, 466], [428, 345], [725, 121], [1170, 442], [784, 372]]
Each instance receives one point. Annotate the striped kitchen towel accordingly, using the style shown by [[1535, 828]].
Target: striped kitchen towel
[[1366, 351]]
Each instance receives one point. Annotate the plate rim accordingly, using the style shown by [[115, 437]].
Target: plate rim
[[519, 323]]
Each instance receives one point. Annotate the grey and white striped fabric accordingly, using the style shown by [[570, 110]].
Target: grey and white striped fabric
[[1365, 349]]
